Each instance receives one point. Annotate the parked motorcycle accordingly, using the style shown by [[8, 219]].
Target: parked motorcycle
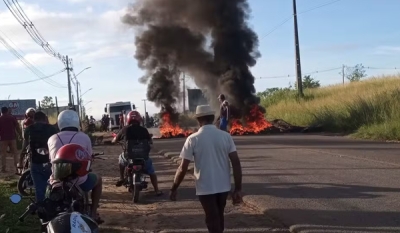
[[55, 221], [25, 184]]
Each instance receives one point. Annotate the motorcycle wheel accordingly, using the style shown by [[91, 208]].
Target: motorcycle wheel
[[23, 181], [136, 190]]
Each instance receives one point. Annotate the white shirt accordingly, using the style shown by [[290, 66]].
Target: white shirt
[[209, 148]]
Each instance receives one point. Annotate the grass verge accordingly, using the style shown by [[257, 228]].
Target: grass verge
[[367, 109], [13, 211]]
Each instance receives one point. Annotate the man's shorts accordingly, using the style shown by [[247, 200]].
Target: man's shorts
[[89, 183], [223, 124], [148, 164]]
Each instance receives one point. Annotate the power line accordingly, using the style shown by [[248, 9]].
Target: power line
[[32, 68], [290, 17], [16, 10], [324, 71], [31, 81]]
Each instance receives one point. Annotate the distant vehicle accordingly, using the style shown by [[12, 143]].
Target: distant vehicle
[[115, 109]]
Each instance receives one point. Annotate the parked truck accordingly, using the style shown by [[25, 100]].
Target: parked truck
[[115, 109]]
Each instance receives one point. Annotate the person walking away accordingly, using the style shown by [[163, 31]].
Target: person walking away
[[68, 123], [224, 113], [130, 134], [36, 137], [9, 128], [211, 150]]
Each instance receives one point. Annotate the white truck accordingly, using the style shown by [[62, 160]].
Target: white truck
[[115, 109]]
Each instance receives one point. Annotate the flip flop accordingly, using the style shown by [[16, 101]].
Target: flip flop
[[159, 193]]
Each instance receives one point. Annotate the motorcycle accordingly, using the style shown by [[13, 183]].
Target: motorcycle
[[54, 221], [135, 174], [25, 181]]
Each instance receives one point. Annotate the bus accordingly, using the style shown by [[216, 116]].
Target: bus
[[115, 109]]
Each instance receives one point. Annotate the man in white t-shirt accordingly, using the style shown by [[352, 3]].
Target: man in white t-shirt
[[212, 151]]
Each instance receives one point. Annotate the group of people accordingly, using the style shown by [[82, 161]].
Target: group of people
[[105, 122], [68, 152]]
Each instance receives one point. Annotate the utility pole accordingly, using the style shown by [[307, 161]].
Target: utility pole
[[145, 110], [69, 83], [297, 48], [184, 93], [78, 105], [343, 73]]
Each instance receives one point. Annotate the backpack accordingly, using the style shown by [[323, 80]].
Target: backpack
[[137, 149], [38, 137]]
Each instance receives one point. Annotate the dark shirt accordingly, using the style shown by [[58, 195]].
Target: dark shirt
[[133, 132], [37, 135], [8, 127]]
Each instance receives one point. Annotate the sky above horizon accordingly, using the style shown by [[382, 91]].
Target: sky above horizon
[[331, 33]]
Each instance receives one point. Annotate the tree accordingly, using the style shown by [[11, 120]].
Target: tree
[[309, 82], [47, 102], [356, 73]]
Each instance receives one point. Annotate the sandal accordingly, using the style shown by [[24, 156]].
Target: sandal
[[159, 193], [98, 219], [119, 183]]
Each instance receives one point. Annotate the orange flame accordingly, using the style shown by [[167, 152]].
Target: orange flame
[[254, 123], [169, 129]]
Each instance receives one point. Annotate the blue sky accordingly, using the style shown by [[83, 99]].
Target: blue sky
[[90, 32]]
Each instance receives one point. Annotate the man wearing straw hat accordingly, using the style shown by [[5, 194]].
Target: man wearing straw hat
[[211, 150]]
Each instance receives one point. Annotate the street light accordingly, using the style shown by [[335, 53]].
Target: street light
[[87, 103], [82, 71], [86, 91], [78, 98]]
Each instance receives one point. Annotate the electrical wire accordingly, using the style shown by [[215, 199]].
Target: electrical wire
[[19, 14], [32, 68], [326, 70], [290, 17], [23, 55], [31, 81]]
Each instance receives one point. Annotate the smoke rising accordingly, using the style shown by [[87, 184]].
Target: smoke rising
[[208, 39]]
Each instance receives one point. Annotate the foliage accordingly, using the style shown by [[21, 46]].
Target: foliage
[[309, 82], [368, 109], [47, 102], [356, 73]]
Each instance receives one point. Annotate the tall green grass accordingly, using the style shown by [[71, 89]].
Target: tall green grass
[[366, 109]]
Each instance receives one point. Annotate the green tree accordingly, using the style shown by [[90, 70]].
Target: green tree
[[47, 102], [309, 82], [356, 73]]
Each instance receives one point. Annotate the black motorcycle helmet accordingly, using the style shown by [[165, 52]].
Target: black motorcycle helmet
[[72, 222]]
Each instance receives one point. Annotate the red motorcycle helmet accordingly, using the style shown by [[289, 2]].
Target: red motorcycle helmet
[[133, 116], [72, 160]]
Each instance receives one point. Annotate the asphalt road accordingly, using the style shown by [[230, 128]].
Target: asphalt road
[[316, 183]]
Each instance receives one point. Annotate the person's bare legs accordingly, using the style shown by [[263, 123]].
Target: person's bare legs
[[13, 150], [3, 155], [96, 195], [154, 182]]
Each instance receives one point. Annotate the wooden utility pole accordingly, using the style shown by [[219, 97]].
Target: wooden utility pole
[[297, 49], [184, 93], [69, 82]]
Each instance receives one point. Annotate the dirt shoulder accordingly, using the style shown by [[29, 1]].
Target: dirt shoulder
[[158, 214]]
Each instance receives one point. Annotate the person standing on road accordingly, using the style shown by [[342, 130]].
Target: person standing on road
[[9, 128], [121, 120], [224, 113], [211, 150], [36, 136]]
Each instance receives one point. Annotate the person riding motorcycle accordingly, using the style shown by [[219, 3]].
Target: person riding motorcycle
[[36, 136], [134, 131], [68, 123], [29, 114]]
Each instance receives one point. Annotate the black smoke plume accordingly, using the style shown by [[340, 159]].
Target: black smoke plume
[[208, 39]]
